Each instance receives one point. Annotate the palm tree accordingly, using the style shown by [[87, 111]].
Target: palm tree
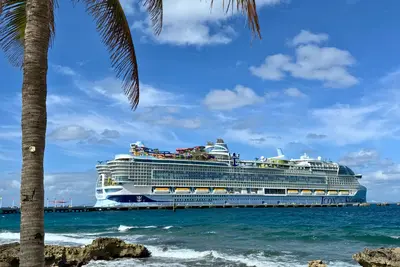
[[26, 32]]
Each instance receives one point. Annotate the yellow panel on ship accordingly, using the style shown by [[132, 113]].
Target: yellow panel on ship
[[202, 189], [344, 192], [306, 191], [219, 190], [182, 190], [319, 192], [332, 192], [293, 191]]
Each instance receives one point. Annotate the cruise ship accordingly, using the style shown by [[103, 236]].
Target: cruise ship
[[210, 174]]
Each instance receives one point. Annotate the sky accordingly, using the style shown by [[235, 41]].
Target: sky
[[323, 80]]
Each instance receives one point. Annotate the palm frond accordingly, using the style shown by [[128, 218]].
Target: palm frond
[[114, 30], [12, 28], [155, 9], [249, 8]]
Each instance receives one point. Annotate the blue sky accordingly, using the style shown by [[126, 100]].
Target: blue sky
[[322, 80]]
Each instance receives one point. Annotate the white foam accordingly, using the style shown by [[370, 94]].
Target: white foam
[[340, 264], [124, 228], [90, 234], [132, 262], [168, 227], [251, 260], [48, 238], [395, 236]]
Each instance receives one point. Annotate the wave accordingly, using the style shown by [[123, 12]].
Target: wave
[[70, 238], [125, 228], [133, 262], [257, 260], [376, 238], [181, 257], [6, 237]]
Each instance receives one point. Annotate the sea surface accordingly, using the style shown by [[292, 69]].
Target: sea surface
[[236, 237]]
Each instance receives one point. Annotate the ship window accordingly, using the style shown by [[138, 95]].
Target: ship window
[[274, 191], [342, 170], [350, 171]]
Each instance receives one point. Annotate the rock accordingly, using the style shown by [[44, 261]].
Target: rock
[[100, 249], [381, 257], [9, 255], [316, 263]]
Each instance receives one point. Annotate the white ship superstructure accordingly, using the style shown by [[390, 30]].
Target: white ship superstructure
[[212, 175]]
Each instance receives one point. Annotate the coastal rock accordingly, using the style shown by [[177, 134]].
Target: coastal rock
[[381, 257], [316, 263], [100, 249]]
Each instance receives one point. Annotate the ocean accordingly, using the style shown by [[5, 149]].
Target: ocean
[[238, 237]]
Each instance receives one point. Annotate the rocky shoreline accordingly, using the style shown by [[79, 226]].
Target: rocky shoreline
[[381, 257], [60, 256], [114, 248]]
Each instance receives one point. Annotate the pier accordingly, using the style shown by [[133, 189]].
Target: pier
[[75, 209]]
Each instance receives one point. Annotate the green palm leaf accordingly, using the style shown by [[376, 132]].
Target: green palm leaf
[[249, 8], [115, 33], [12, 28]]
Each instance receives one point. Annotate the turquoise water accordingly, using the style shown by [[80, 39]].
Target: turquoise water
[[228, 237]]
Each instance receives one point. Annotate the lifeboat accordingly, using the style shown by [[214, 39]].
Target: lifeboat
[[344, 192], [332, 192], [292, 191], [306, 192], [182, 190], [161, 190], [320, 192], [202, 190], [219, 191]]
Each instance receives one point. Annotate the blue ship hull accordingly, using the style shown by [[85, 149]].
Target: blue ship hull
[[159, 200]]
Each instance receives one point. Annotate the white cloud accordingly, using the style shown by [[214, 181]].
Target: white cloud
[[228, 99], [391, 174], [249, 137], [224, 118], [306, 37], [57, 100], [110, 133], [272, 68], [64, 70], [10, 132], [193, 23], [361, 158], [111, 88], [70, 132], [315, 136], [326, 64], [15, 184], [353, 124], [184, 123], [294, 92]]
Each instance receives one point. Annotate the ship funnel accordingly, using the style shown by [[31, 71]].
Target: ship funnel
[[280, 152]]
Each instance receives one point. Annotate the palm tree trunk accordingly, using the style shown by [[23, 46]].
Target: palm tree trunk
[[34, 119]]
